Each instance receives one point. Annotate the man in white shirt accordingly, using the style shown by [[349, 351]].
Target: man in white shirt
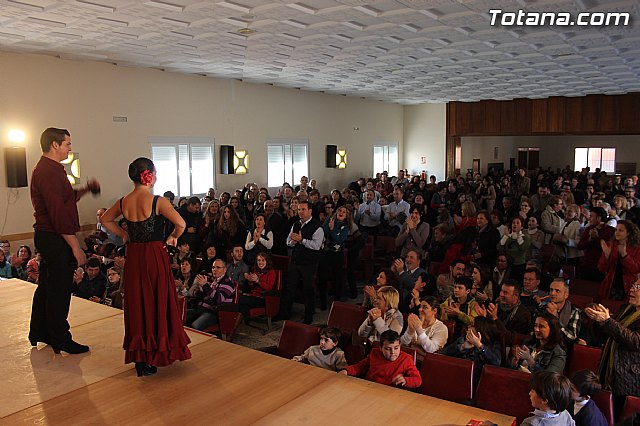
[[368, 215], [397, 211]]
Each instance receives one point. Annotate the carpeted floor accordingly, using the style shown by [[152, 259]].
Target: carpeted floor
[[253, 336]]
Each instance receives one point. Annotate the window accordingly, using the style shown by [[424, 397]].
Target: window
[[184, 166], [596, 158], [385, 157], [287, 161]]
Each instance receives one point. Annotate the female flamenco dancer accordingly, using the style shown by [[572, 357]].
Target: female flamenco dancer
[[153, 333]]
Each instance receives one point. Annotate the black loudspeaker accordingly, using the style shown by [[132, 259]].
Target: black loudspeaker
[[16, 163], [332, 150], [226, 159]]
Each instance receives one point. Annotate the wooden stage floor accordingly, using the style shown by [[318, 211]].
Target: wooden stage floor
[[223, 384]]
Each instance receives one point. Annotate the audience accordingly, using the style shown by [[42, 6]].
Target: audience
[[512, 264], [583, 410]]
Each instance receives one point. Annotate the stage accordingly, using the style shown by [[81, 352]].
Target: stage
[[222, 384]]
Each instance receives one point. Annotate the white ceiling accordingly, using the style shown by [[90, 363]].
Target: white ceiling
[[405, 51]]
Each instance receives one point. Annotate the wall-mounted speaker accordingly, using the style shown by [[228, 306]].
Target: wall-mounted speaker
[[332, 150], [16, 164], [226, 159]]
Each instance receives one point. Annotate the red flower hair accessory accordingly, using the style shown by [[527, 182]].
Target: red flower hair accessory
[[146, 177]]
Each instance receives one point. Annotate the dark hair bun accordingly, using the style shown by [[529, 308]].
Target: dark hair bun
[[138, 166]]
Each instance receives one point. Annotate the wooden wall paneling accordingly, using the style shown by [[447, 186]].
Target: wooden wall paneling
[[590, 114], [539, 115], [573, 115], [629, 114], [462, 124], [492, 113], [555, 115], [609, 114]]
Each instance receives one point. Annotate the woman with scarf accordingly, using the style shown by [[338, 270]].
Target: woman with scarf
[[621, 355]]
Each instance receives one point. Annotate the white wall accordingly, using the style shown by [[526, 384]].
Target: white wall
[[425, 136], [40, 91], [555, 151]]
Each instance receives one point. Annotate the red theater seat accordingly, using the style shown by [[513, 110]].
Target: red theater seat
[[272, 302], [604, 401], [631, 406], [505, 391], [296, 338], [583, 357], [447, 378]]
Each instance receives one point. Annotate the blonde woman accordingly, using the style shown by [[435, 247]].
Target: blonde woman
[[384, 316]]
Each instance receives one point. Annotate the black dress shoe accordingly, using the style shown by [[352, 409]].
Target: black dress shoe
[[71, 347], [144, 369]]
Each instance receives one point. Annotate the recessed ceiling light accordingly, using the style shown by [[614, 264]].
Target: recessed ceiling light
[[248, 17], [246, 31]]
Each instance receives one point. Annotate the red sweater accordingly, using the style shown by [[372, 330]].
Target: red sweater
[[377, 368], [267, 280]]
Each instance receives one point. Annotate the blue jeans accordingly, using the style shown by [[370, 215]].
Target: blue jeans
[[201, 318]]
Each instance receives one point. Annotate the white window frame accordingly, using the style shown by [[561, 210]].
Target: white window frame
[[592, 157], [386, 164], [190, 141], [289, 175]]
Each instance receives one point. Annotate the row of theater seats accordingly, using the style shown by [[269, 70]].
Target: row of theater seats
[[499, 389]]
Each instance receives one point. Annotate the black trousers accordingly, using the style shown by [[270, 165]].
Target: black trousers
[[295, 273], [51, 300]]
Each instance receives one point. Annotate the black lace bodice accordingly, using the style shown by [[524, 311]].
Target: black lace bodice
[[150, 229]]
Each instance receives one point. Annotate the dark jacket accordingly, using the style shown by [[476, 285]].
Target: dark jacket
[[589, 415], [627, 357]]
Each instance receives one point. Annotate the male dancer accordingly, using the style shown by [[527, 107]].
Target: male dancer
[[56, 223]]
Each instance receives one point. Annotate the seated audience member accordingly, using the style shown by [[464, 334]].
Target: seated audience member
[[536, 236], [560, 307], [501, 272], [33, 268], [259, 239], [583, 410], [387, 365], [383, 316], [509, 314], [386, 277], [424, 286], [459, 307], [327, 354], [515, 245], [590, 243], [261, 279], [408, 270], [20, 261], [532, 296], [237, 268], [488, 238], [482, 287], [544, 351], [114, 290], [413, 234], [184, 278], [182, 253], [438, 247], [480, 344], [209, 255], [5, 266], [620, 261], [91, 283], [210, 293], [426, 330], [445, 282], [550, 394]]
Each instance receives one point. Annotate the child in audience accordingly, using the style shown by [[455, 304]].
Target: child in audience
[[387, 365], [583, 410], [550, 394], [327, 354]]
